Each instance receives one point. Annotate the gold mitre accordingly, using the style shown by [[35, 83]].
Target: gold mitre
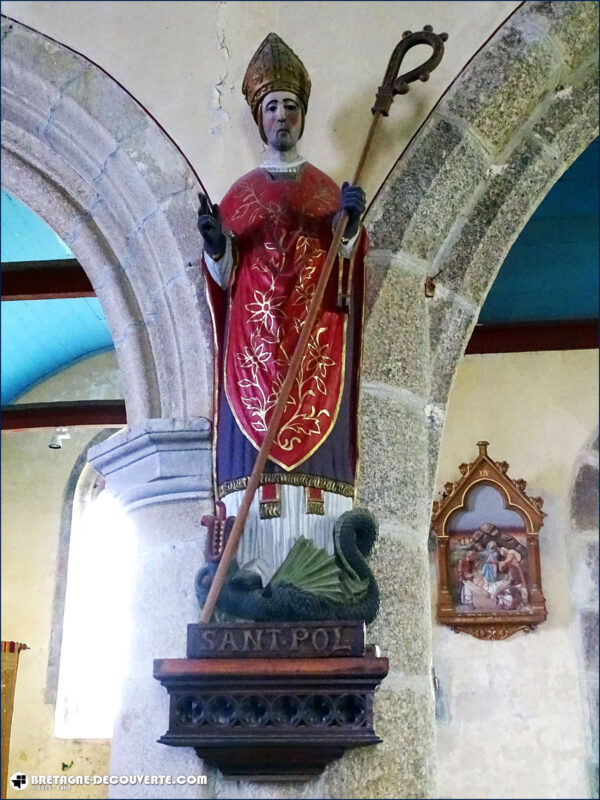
[[274, 68]]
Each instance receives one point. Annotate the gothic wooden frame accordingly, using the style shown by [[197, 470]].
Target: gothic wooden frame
[[489, 624]]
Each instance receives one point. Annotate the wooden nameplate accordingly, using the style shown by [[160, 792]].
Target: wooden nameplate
[[276, 640]]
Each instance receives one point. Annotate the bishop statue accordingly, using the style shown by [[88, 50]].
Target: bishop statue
[[264, 248]]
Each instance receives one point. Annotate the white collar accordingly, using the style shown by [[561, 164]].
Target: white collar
[[285, 166]]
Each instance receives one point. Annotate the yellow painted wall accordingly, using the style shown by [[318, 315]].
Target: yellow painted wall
[[33, 482], [514, 724]]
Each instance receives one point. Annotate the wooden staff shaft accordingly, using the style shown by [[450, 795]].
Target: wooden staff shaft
[[273, 427]]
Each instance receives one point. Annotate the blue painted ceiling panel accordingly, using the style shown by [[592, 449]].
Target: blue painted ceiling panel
[[565, 288], [42, 337], [551, 271], [25, 237]]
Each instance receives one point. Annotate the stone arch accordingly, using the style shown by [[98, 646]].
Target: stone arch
[[516, 117], [81, 153], [584, 492], [511, 123]]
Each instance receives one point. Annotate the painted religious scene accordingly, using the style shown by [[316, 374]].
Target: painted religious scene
[[488, 555]]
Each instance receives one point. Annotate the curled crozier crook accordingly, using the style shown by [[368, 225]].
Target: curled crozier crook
[[393, 85]]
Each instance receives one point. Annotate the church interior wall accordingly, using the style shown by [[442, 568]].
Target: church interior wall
[[402, 560], [34, 481], [197, 98], [512, 714]]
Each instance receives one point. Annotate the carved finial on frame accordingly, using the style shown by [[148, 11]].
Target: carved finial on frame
[[538, 502]]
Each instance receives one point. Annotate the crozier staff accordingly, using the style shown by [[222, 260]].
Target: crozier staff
[[265, 247]]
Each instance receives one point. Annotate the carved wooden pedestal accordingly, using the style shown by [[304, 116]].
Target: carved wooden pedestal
[[280, 717]]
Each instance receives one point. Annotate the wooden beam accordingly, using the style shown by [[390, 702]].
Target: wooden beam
[[25, 416], [45, 280], [526, 337]]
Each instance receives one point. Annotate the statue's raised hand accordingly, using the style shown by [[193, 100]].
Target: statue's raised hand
[[210, 226], [353, 201]]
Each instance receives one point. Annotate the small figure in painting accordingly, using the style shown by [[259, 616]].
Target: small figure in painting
[[509, 599], [467, 566], [510, 565], [490, 562], [491, 576], [488, 532]]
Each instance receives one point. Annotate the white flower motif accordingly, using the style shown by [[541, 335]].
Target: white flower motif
[[266, 309], [254, 357], [318, 361]]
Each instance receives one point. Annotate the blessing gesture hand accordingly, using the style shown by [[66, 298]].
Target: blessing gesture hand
[[210, 226]]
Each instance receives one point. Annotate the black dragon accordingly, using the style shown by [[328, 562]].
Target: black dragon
[[244, 597]]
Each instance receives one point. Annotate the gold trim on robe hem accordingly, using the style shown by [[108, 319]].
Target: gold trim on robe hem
[[289, 479]]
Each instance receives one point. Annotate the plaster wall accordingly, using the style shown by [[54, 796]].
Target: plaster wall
[[33, 484], [158, 51], [510, 715], [583, 548]]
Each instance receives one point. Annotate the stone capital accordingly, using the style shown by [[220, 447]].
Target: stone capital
[[157, 461]]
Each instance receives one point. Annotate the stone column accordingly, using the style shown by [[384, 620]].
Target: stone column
[[394, 483], [160, 471]]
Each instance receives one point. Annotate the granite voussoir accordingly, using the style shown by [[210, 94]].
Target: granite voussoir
[[410, 181], [583, 558], [589, 638], [529, 177], [570, 121], [135, 206], [584, 498], [34, 51], [395, 344], [500, 89], [105, 101], [435, 414], [462, 167], [451, 322], [164, 168], [574, 25], [508, 197], [181, 211]]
